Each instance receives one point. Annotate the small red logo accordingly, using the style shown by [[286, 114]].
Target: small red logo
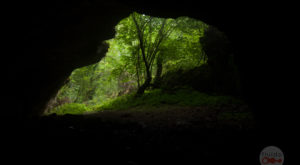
[[267, 160]]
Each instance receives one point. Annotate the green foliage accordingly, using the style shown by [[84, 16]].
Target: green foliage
[[180, 48], [174, 43], [72, 108]]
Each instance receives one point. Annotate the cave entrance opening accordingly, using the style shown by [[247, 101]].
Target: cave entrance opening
[[145, 50]]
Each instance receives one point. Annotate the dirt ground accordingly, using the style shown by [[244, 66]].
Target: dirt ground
[[165, 135]]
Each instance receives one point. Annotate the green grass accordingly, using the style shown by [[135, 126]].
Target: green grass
[[151, 100], [72, 108], [156, 98]]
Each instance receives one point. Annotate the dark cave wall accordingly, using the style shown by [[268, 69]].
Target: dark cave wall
[[52, 38]]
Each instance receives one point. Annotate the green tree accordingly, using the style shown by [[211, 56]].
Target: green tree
[[150, 38], [142, 51]]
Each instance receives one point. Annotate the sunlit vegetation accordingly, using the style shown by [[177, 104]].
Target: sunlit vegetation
[[181, 97], [135, 73]]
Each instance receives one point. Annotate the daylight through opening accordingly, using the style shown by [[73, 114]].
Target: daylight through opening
[[152, 62]]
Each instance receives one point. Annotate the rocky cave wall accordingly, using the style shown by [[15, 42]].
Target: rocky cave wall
[[52, 38]]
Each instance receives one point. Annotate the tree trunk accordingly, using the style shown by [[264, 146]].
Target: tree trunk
[[146, 84], [142, 88], [157, 79], [138, 64]]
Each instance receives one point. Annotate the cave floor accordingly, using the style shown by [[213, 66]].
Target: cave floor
[[135, 121], [177, 135]]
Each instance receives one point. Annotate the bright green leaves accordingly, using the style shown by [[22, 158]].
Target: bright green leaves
[[172, 42]]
